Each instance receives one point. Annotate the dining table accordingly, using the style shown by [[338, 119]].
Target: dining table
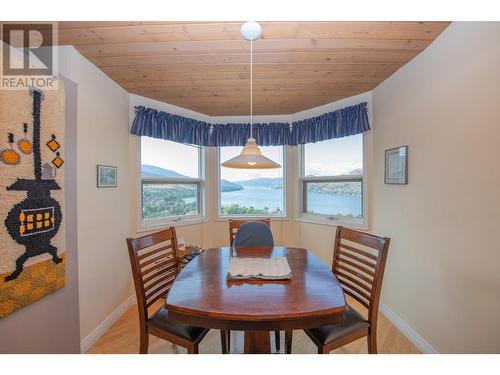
[[203, 296]]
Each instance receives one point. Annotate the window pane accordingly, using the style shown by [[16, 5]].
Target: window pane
[[334, 198], [161, 158], [257, 192], [164, 200], [334, 157]]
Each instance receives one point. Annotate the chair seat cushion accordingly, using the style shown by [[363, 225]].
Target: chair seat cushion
[[160, 321], [352, 322]]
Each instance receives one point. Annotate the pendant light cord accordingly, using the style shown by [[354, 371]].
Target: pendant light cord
[[251, 87]]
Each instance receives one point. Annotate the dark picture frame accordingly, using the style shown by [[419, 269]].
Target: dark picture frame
[[107, 176], [396, 166]]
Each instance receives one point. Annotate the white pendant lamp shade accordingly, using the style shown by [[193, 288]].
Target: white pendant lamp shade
[[250, 158]]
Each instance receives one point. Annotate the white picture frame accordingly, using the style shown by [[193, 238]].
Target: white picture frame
[[396, 166], [107, 176]]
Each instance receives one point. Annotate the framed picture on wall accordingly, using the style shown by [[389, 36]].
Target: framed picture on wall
[[396, 165], [106, 176]]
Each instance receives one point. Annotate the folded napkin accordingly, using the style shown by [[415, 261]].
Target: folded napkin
[[259, 268]]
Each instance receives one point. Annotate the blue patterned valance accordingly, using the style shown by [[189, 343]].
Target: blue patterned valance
[[272, 134], [341, 123], [156, 124]]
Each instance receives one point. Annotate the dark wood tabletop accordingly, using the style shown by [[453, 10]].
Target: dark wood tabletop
[[201, 294]]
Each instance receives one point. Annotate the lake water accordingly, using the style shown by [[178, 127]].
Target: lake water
[[260, 197], [254, 196]]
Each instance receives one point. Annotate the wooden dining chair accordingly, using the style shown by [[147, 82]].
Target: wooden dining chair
[[358, 263], [154, 262], [234, 225]]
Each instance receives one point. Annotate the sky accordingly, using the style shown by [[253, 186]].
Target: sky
[[175, 156], [332, 157]]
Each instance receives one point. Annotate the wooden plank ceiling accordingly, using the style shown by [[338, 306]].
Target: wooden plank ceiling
[[205, 66]]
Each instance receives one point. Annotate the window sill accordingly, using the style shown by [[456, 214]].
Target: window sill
[[170, 223], [243, 217], [361, 225]]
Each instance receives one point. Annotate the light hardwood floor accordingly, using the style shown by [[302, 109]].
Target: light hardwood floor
[[123, 338]]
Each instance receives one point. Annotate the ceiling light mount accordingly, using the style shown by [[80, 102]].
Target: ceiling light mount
[[251, 31]]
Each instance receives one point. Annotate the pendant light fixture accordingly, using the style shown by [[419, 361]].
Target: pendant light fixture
[[251, 157]]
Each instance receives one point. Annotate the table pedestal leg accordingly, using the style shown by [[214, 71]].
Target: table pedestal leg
[[257, 342]]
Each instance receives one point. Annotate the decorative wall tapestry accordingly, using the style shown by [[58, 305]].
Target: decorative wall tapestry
[[32, 241]]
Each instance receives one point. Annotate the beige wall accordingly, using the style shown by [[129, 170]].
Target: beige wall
[[442, 274], [103, 214]]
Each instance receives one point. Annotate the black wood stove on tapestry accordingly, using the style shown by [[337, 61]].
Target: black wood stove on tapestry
[[34, 221]]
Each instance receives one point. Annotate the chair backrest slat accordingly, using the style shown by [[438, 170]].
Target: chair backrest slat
[[159, 293], [353, 272], [161, 281], [358, 262], [348, 284], [366, 239], [358, 251], [359, 267], [370, 265], [365, 286], [356, 297], [160, 268], [235, 224], [154, 262], [159, 250], [153, 239], [153, 290]]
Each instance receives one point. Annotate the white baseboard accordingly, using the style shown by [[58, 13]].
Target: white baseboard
[[92, 338], [409, 332]]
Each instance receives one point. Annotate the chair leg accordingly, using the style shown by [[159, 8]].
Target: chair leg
[[144, 342], [277, 340], [223, 341], [288, 342], [192, 349], [372, 342], [321, 350]]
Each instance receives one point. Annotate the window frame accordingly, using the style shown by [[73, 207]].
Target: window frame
[[178, 220], [283, 215], [325, 219]]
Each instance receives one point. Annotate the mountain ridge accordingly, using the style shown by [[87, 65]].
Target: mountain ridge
[[272, 182], [153, 171]]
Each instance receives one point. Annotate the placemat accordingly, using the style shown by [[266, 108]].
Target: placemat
[[259, 268]]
